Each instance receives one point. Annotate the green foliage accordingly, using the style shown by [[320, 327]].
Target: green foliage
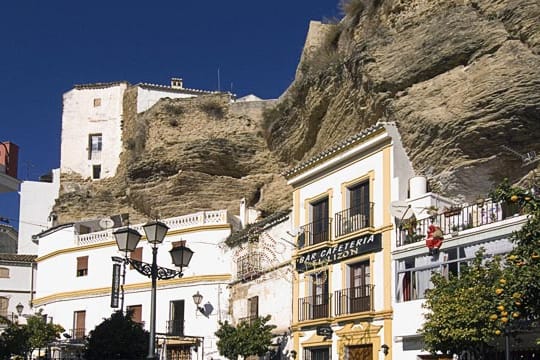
[[117, 337], [40, 332], [246, 339], [459, 308], [14, 341], [518, 293]]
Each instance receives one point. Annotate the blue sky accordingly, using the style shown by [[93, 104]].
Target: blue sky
[[48, 46]]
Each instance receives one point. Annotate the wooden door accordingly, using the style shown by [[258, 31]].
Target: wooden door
[[359, 352]]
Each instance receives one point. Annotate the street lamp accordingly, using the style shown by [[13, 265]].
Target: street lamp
[[127, 240], [19, 308]]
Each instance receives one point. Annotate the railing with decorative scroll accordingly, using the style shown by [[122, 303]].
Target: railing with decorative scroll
[[315, 232], [217, 217], [314, 307], [175, 327], [353, 219], [456, 219], [249, 265], [353, 300]]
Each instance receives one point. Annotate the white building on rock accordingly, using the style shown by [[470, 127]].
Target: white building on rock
[[92, 122]]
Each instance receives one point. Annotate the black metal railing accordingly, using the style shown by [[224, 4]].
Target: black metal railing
[[175, 327], [77, 334], [315, 232], [353, 300], [353, 219], [249, 265], [313, 307], [454, 220]]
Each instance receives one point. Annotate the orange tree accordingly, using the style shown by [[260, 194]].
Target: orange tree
[[459, 309], [518, 293]]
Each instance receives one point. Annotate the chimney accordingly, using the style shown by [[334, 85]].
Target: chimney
[[177, 83]]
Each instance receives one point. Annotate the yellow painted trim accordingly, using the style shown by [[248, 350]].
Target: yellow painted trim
[[316, 340], [102, 291], [363, 333], [387, 235], [143, 238]]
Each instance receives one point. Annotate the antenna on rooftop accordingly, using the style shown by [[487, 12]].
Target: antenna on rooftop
[[218, 80], [527, 159]]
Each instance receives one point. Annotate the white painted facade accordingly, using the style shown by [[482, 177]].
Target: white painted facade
[[262, 278], [92, 110], [486, 226], [16, 279], [60, 293], [37, 199], [325, 294]]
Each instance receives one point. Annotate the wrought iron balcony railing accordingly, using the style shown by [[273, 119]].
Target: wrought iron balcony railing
[[175, 327], [249, 319], [315, 232], [353, 219], [78, 334], [353, 300], [455, 220], [314, 307]]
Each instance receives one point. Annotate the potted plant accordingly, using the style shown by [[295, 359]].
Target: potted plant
[[452, 210]]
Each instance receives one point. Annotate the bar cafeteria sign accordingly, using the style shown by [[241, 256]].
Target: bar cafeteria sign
[[329, 255]]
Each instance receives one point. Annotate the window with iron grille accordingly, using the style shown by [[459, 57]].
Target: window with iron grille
[[249, 265], [318, 353]]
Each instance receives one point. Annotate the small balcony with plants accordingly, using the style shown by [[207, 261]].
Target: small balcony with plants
[[454, 219]]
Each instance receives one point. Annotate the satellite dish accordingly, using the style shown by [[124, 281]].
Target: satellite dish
[[401, 210], [106, 223]]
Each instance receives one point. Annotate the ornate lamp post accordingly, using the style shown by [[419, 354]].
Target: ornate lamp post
[[127, 240]]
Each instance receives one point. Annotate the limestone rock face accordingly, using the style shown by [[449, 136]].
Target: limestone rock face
[[460, 79]]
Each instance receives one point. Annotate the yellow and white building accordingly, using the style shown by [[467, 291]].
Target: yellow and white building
[[342, 291]]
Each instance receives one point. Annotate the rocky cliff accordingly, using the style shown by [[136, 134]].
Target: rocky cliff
[[460, 78]]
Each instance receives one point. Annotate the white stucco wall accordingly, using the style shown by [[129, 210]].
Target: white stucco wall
[[59, 292], [17, 288], [80, 118], [36, 203], [146, 98]]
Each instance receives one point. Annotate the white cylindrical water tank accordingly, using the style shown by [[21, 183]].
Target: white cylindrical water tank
[[417, 186]]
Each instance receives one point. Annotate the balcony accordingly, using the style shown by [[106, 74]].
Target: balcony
[[249, 266], [353, 300], [315, 232], [451, 222], [314, 307], [175, 327], [353, 219], [77, 334]]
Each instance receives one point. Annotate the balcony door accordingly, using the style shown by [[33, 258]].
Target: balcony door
[[176, 318], [319, 219], [359, 205], [319, 292], [360, 296]]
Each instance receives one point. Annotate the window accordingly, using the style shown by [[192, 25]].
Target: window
[[253, 308], [4, 273], [360, 287], [82, 266], [175, 325], [94, 146], [249, 265], [79, 320], [4, 303], [96, 171], [318, 353], [319, 293], [136, 314], [356, 216], [136, 255], [319, 222], [97, 102]]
